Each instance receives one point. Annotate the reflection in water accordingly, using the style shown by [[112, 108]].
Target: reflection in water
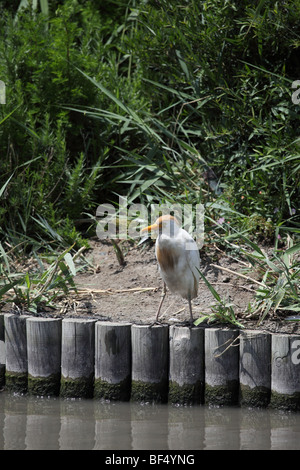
[[55, 423]]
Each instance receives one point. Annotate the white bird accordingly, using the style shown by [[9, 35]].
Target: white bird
[[178, 259]]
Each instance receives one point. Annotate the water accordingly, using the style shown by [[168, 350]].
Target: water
[[53, 423]]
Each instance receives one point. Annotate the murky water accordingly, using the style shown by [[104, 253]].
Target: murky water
[[54, 423]]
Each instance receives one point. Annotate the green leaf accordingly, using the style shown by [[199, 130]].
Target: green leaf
[[7, 287], [211, 288], [201, 319], [44, 6], [70, 263], [5, 185], [293, 249], [8, 115], [183, 64], [27, 280], [4, 256]]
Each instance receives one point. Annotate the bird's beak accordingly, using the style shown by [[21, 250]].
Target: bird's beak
[[150, 228]]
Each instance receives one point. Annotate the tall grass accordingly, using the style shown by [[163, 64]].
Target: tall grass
[[190, 104]]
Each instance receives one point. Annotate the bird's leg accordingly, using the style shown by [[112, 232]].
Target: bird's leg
[[191, 313], [162, 299]]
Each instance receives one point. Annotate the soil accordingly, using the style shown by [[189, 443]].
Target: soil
[[131, 292]]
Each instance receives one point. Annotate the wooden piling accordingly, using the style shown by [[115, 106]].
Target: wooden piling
[[16, 373], [2, 352], [150, 360], [255, 368], [285, 378], [77, 358], [186, 370], [44, 355], [221, 366], [119, 361], [112, 361]]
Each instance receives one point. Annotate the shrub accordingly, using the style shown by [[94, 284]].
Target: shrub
[[157, 101]]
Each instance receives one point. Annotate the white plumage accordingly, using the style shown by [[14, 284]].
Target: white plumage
[[178, 259]]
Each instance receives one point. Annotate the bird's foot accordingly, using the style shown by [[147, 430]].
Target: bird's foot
[[189, 323], [156, 322]]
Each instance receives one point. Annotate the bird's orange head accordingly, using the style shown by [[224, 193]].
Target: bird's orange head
[[160, 223]]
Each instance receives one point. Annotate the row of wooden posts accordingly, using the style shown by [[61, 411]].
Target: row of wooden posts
[[120, 361]]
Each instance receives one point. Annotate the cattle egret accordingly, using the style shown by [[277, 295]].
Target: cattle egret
[[178, 259]]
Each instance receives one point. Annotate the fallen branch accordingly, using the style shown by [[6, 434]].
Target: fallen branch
[[231, 344], [226, 284], [86, 290], [238, 274]]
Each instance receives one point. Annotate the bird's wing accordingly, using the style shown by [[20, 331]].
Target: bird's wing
[[193, 260], [192, 255]]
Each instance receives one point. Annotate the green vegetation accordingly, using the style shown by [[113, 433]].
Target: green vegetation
[[42, 289], [158, 101]]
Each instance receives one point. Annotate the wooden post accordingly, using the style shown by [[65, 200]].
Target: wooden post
[[255, 368], [285, 382], [16, 374], [150, 363], [77, 358], [186, 372], [113, 361], [44, 355], [221, 366], [2, 352]]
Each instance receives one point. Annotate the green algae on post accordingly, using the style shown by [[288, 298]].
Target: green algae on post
[[256, 397], [149, 392], [44, 386], [16, 382], [186, 394], [222, 395], [77, 388], [113, 391]]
